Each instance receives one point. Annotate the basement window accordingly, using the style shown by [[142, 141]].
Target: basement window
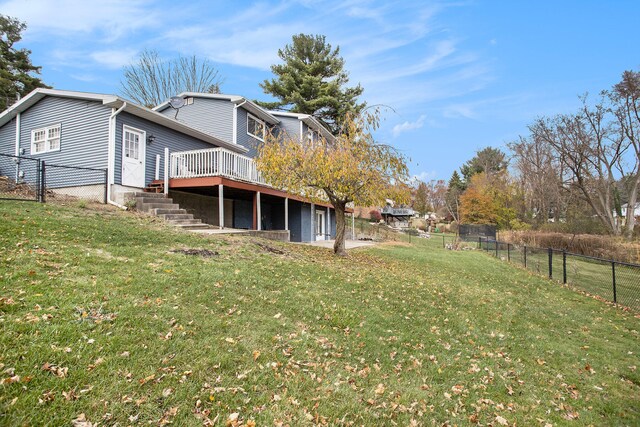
[[45, 139]]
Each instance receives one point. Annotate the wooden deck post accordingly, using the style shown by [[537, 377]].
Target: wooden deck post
[[221, 206], [327, 230], [286, 213], [313, 218], [258, 212]]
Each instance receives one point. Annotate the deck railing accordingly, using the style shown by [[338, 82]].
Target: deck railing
[[214, 162]]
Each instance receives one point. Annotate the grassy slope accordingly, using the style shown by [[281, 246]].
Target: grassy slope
[[390, 334]]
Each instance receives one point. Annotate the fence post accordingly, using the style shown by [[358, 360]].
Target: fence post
[[564, 267], [38, 177], [496, 248], [525, 257], [508, 252], [43, 182], [550, 263], [106, 185], [443, 245], [479, 242], [613, 272]]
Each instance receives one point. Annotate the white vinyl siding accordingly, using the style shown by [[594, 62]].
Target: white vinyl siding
[[255, 127], [46, 139]]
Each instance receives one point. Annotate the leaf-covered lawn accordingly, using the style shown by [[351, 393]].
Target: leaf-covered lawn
[[103, 321]]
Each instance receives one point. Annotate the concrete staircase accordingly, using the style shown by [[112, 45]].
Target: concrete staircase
[[157, 204]]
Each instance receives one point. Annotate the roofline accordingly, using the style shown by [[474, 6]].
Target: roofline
[[236, 99], [116, 102], [309, 120], [161, 119], [37, 94]]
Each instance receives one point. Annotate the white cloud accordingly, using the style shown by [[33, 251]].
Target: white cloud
[[424, 176], [408, 126], [66, 18], [114, 59]]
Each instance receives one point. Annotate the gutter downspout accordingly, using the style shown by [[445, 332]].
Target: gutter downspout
[[18, 134], [235, 121], [111, 156], [17, 150]]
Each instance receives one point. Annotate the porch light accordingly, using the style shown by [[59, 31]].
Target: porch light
[[150, 139]]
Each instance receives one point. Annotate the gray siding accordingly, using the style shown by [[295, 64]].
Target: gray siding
[[244, 139], [84, 131], [8, 138], [214, 116], [165, 137], [243, 214], [305, 223], [290, 125]]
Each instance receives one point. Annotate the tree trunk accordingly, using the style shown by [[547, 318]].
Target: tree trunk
[[631, 208], [338, 246]]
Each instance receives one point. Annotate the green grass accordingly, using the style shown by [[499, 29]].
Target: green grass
[[391, 335]]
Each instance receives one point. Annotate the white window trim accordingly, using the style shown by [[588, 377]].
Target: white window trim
[[47, 144], [264, 127]]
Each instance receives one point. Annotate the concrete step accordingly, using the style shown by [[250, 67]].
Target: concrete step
[[167, 211], [148, 207], [200, 226], [168, 217], [185, 221], [150, 195], [143, 200]]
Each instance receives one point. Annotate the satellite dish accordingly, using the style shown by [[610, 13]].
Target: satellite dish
[[176, 102]]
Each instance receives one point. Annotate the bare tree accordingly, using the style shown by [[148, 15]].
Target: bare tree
[[151, 80], [540, 177], [625, 98], [591, 150]]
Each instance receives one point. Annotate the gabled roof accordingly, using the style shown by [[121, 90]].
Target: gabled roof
[[248, 105], [309, 120], [116, 102]]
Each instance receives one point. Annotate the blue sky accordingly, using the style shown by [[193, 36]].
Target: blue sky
[[460, 75]]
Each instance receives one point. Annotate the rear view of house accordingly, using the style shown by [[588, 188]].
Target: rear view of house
[[201, 155]]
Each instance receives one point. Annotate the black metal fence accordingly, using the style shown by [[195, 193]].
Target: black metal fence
[[611, 280], [26, 178], [20, 178]]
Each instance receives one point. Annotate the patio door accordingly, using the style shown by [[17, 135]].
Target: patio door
[[320, 225], [133, 152]]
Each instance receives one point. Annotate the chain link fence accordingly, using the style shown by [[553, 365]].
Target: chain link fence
[[611, 280], [72, 182], [20, 178], [26, 178]]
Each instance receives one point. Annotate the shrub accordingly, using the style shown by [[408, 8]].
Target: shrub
[[375, 214], [607, 247]]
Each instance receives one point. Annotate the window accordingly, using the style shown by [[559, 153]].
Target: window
[[45, 139], [255, 127], [131, 144], [313, 136]]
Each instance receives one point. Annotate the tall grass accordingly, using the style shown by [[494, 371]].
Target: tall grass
[[608, 247]]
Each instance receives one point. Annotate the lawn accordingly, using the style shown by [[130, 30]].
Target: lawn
[[102, 315]]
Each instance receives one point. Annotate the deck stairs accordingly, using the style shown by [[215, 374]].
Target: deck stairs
[[158, 204]]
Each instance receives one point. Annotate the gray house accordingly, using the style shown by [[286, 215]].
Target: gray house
[[201, 154]]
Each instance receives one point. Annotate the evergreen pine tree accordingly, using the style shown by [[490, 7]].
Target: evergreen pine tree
[[312, 80], [16, 69]]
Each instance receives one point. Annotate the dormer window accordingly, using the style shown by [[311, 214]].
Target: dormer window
[[255, 127], [313, 136]]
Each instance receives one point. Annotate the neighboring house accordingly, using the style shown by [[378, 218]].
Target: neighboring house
[[202, 153]]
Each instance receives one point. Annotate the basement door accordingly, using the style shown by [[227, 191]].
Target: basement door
[[133, 152], [320, 225]]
